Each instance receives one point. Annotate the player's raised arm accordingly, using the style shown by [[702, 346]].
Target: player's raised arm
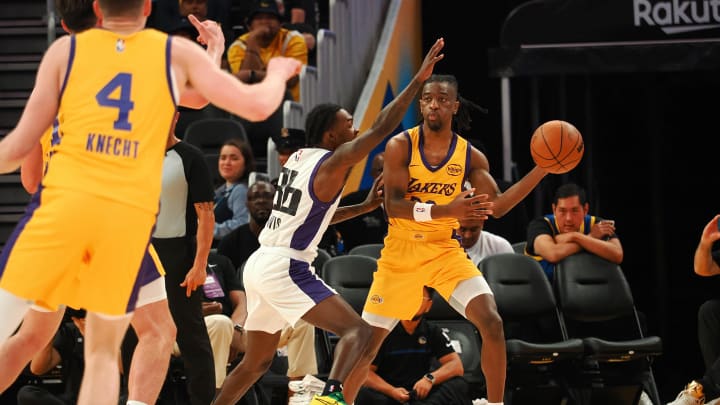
[[390, 117], [194, 68], [209, 34]]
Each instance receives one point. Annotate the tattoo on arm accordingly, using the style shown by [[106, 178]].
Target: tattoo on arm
[[204, 206]]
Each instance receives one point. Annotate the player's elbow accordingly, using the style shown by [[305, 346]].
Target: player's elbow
[[29, 182], [260, 112], [30, 187]]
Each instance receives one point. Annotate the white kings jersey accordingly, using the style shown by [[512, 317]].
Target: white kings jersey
[[299, 220]]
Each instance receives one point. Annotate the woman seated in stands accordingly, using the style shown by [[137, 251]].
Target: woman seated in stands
[[235, 164]]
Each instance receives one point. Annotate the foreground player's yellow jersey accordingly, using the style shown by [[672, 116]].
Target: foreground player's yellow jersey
[[116, 108], [434, 185]]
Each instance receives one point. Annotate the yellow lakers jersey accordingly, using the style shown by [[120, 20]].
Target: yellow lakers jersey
[[116, 108], [434, 185]]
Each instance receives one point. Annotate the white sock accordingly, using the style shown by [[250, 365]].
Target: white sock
[[133, 402]]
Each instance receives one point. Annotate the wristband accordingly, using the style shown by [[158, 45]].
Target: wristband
[[421, 212], [430, 378], [239, 328]]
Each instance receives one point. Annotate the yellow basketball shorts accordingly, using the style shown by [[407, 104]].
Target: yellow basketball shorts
[[77, 249], [406, 266]]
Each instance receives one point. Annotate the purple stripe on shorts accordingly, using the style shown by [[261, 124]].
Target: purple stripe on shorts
[[29, 211], [148, 270], [308, 282], [144, 277]]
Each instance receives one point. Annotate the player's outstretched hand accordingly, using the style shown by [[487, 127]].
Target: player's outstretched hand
[[466, 205], [375, 195], [433, 56]]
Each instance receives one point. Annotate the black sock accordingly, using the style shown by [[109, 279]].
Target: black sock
[[332, 386]]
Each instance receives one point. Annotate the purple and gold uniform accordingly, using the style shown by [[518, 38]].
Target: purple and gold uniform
[[88, 227], [418, 254]]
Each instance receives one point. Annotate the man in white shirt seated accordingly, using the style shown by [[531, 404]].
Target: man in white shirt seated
[[479, 244]]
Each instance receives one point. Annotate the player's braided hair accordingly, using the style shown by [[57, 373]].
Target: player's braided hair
[[319, 120]]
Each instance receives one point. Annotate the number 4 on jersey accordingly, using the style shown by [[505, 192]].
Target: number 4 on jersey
[[124, 104]]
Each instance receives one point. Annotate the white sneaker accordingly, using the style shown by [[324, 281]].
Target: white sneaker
[[479, 401], [300, 398], [691, 395], [313, 383], [304, 390], [644, 399]]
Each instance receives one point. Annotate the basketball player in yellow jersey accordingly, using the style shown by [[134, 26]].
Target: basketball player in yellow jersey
[[151, 320], [424, 171], [115, 90]]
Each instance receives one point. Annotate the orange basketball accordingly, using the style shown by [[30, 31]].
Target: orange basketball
[[557, 146]]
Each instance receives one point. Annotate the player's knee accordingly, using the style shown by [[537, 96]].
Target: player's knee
[[362, 332], [161, 333], [494, 325]]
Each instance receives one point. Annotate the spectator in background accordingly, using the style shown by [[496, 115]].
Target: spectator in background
[[248, 56], [706, 390], [285, 143], [569, 230], [366, 228], [167, 14], [290, 140], [513, 225], [302, 16], [235, 164], [239, 244], [478, 243], [403, 372]]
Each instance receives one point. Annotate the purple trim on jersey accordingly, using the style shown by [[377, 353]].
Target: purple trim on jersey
[[468, 154], [456, 237], [409, 140], [168, 68], [312, 180], [308, 282], [451, 150], [306, 232], [71, 59], [29, 211]]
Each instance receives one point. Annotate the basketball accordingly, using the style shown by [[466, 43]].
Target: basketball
[[557, 146]]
